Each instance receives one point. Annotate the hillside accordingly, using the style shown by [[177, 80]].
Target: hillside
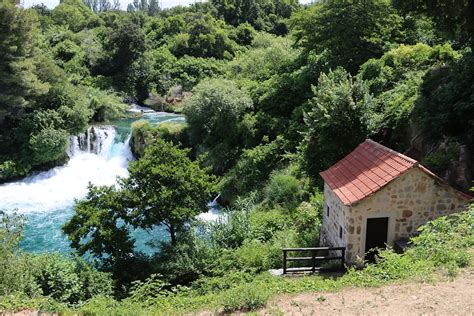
[[154, 212]]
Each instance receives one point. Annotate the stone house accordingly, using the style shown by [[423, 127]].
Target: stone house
[[376, 196]]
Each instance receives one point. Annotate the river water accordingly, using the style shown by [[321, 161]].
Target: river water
[[99, 156]]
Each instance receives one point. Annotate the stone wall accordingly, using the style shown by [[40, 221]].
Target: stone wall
[[409, 201], [338, 214]]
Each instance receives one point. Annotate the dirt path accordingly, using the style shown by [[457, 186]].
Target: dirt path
[[443, 298]]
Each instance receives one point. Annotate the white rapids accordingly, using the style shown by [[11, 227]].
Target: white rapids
[[94, 157]]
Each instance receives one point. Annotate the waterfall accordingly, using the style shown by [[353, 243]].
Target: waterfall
[[213, 212], [96, 140], [96, 156]]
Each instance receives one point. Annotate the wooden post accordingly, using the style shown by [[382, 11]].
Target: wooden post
[[284, 261], [314, 260]]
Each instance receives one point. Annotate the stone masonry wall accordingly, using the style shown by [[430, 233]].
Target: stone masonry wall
[[338, 213], [409, 201]]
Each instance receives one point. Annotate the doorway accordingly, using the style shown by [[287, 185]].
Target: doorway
[[375, 236]]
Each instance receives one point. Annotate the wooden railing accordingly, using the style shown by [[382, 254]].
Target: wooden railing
[[316, 255]]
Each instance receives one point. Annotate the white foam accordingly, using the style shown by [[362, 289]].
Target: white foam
[[57, 188]]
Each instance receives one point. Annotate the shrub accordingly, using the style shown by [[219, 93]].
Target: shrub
[[444, 241], [283, 190], [251, 257], [244, 298], [67, 280], [252, 169], [264, 224]]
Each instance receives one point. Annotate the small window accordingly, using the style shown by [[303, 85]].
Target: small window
[[327, 210], [340, 232]]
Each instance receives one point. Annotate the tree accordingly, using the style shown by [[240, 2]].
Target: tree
[[18, 48], [337, 121], [204, 36], [126, 42], [347, 33], [166, 187], [73, 13], [96, 226], [15, 275], [215, 115], [454, 18], [263, 15]]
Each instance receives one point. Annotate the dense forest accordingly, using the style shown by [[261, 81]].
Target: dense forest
[[273, 92]]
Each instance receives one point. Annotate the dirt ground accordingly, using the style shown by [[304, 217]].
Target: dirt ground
[[454, 297]]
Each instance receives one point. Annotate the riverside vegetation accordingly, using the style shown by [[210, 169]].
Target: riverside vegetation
[[273, 93]]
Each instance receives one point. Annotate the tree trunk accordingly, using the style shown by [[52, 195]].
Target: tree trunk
[[172, 231]]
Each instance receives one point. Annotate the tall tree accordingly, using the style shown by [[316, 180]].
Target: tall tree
[[337, 121], [18, 48], [346, 33], [166, 187], [215, 115], [454, 18]]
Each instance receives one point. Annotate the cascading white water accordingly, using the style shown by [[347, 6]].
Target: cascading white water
[[95, 158]]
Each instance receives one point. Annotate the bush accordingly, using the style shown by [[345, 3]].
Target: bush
[[283, 190], [444, 241], [244, 298], [252, 169], [68, 280], [251, 257], [264, 224]]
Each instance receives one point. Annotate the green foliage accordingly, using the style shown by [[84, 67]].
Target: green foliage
[[204, 37], [267, 56], [15, 276], [95, 227], [175, 188], [266, 112], [447, 241], [252, 169], [337, 121], [307, 219], [454, 18], [148, 291], [346, 33], [72, 13], [164, 188], [439, 160], [244, 298], [23, 277], [67, 280], [395, 81], [18, 48], [215, 115], [266, 223], [244, 34], [106, 106], [445, 105], [48, 145], [263, 15], [283, 190], [184, 72]]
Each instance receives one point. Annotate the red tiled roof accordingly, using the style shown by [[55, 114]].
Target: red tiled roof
[[365, 170]]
